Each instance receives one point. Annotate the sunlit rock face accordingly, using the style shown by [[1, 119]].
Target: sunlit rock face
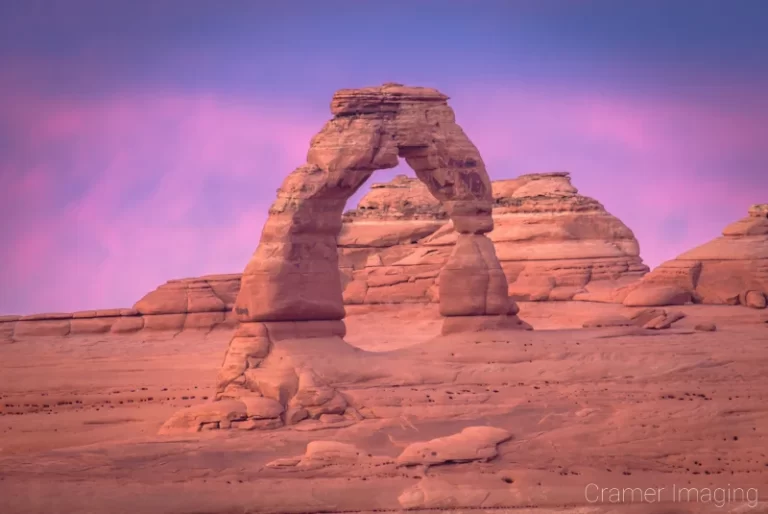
[[731, 269]]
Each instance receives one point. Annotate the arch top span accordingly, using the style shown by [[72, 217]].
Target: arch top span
[[294, 275]]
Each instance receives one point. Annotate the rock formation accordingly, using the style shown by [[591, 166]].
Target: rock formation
[[210, 293], [116, 321], [731, 270], [292, 289], [552, 243], [189, 304]]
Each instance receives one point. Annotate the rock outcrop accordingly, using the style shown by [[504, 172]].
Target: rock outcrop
[[210, 293], [552, 243], [292, 288], [116, 321], [729, 270], [472, 443]]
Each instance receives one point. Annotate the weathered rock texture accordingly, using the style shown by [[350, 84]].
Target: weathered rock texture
[[118, 321], [294, 273], [730, 270], [552, 243], [210, 293], [292, 287]]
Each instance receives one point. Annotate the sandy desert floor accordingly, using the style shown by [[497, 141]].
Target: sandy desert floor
[[588, 410]]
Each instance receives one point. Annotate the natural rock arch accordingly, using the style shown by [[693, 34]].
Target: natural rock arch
[[293, 275], [291, 290]]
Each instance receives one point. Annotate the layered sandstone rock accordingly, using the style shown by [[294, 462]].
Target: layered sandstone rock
[[381, 256], [731, 269], [552, 243], [210, 293], [201, 303], [117, 321], [291, 290]]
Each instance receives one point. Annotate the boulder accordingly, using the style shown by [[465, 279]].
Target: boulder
[[753, 299], [472, 443]]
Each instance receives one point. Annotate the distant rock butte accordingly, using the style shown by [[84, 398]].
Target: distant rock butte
[[731, 269], [552, 242]]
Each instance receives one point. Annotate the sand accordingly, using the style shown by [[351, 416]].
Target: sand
[[588, 410]]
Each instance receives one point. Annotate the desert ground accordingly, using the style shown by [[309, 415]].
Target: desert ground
[[584, 410]]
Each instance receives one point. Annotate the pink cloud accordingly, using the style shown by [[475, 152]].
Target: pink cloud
[[111, 197]]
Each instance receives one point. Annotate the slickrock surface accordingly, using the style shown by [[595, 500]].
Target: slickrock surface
[[621, 407], [729, 270], [552, 243]]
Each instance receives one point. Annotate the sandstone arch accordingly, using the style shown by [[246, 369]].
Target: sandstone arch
[[293, 275], [291, 288]]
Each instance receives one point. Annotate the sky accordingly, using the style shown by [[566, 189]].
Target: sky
[[142, 141]]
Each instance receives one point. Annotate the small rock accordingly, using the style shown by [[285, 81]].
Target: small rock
[[754, 299], [706, 327]]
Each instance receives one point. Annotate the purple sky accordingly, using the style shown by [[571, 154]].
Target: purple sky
[[143, 140]]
